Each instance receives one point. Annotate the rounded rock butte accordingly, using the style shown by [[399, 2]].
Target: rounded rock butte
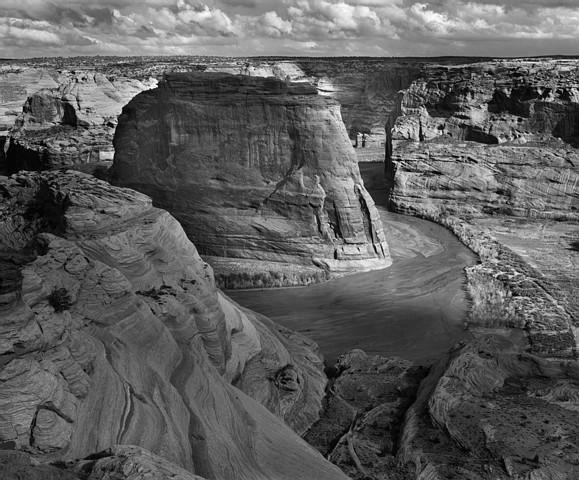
[[259, 171]]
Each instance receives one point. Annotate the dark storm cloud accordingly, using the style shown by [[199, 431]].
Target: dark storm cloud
[[324, 27]]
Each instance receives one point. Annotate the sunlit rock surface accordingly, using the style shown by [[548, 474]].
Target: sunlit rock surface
[[493, 412], [256, 170], [112, 332], [494, 137], [67, 119], [490, 150], [17, 83]]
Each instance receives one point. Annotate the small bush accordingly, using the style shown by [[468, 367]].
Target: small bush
[[60, 300]]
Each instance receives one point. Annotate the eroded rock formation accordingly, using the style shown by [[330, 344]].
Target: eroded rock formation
[[490, 151], [257, 170], [113, 332], [493, 412], [363, 414], [495, 137], [68, 121]]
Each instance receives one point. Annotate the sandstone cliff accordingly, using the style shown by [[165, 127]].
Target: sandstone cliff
[[495, 137], [257, 170], [113, 332], [68, 121], [490, 151]]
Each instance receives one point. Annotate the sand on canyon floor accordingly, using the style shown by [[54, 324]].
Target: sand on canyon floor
[[414, 309]]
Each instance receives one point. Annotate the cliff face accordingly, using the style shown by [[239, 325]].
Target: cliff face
[[16, 85], [255, 169], [490, 150], [493, 137], [67, 122], [114, 333], [367, 90]]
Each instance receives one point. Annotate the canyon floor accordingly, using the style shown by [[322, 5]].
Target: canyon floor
[[415, 309]]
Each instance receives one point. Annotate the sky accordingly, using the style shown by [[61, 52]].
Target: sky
[[289, 27]]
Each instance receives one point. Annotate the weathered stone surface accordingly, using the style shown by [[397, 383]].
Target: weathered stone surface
[[254, 169], [363, 414], [68, 121], [120, 462], [468, 179], [493, 412], [494, 137], [16, 85], [113, 332]]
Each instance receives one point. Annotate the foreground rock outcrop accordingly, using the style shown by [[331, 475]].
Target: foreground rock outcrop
[[113, 332], [493, 412], [257, 170], [363, 414]]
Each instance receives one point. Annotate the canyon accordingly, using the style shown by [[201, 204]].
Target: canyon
[[464, 333]]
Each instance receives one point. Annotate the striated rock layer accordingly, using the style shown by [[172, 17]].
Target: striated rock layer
[[494, 137], [255, 169], [112, 332], [490, 151], [66, 120]]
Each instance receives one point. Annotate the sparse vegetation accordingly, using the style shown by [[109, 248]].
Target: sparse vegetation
[[60, 300], [269, 279], [492, 304]]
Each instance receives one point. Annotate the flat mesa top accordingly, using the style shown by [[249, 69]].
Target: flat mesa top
[[217, 83]]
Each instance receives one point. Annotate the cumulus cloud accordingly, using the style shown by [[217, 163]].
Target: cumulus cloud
[[276, 27]]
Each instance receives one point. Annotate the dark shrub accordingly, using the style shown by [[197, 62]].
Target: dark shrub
[[60, 300]]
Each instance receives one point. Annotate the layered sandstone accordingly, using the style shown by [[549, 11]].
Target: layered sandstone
[[68, 122], [367, 90], [495, 137], [113, 333], [490, 150], [257, 170], [16, 85]]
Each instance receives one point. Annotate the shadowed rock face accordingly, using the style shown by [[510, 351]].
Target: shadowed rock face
[[254, 168], [113, 332], [119, 462]]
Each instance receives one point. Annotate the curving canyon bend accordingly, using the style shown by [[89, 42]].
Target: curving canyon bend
[[275, 268]]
